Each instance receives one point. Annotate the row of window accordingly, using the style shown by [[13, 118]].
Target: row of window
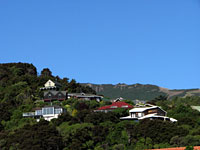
[[48, 111], [124, 106], [137, 115], [59, 95]]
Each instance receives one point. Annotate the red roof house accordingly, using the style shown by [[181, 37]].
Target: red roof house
[[113, 106]]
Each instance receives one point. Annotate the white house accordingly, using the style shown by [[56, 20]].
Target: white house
[[152, 112], [47, 112], [50, 85]]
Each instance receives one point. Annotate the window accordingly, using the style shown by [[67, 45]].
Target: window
[[113, 107], [59, 95], [139, 114], [38, 112], [86, 98], [49, 95], [167, 119], [152, 111], [125, 106], [160, 118], [58, 111], [133, 115], [47, 110]]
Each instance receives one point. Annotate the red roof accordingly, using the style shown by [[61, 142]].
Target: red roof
[[115, 105], [178, 148]]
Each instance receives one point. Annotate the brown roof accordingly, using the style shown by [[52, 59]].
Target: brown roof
[[37, 108]]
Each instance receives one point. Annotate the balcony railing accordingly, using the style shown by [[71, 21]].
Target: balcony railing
[[29, 114]]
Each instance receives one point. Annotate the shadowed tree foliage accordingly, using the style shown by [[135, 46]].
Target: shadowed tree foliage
[[46, 72], [36, 137]]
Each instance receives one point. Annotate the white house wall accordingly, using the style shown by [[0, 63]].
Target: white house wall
[[49, 83]]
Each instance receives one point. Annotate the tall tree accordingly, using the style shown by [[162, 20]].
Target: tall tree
[[46, 72]]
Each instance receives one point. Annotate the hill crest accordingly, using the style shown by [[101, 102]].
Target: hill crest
[[139, 91]]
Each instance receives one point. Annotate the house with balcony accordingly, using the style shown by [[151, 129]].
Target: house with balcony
[[151, 112], [47, 112]]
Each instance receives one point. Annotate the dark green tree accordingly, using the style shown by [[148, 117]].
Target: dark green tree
[[36, 137], [46, 72]]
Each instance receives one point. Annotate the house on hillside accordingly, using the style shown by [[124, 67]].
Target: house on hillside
[[117, 99], [55, 95], [152, 113], [114, 106], [47, 112], [52, 93], [84, 96], [51, 85]]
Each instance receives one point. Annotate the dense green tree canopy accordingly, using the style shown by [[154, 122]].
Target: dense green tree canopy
[[80, 128]]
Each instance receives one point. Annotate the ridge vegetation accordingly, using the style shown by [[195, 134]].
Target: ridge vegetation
[[139, 91]]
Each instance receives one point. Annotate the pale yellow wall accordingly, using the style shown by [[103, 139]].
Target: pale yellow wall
[[49, 83]]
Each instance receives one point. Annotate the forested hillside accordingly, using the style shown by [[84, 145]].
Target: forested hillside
[[21, 80], [139, 91], [20, 84], [79, 128]]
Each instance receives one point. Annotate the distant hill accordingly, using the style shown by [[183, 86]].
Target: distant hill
[[139, 91]]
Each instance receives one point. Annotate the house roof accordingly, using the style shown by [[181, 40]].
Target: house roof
[[196, 108], [157, 116], [55, 106], [56, 83], [141, 109], [37, 108], [115, 105], [55, 92], [144, 108], [83, 95]]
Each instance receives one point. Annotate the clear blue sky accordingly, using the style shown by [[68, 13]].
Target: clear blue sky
[[106, 41]]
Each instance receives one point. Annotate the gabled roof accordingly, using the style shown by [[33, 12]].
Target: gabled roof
[[144, 108], [55, 92], [115, 105], [56, 83], [196, 108]]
